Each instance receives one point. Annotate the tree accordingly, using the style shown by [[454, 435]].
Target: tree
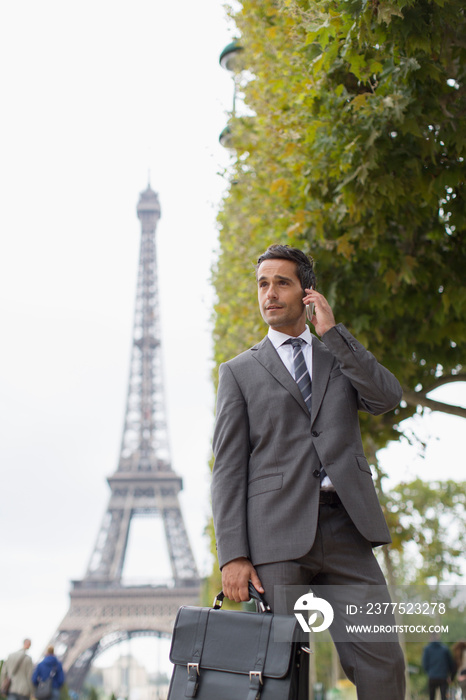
[[356, 151], [430, 520]]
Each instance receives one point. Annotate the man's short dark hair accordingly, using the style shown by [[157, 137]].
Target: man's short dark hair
[[304, 263]]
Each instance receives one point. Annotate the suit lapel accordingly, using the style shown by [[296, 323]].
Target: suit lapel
[[322, 361], [269, 358]]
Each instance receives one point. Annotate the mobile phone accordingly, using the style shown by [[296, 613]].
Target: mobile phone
[[310, 307]]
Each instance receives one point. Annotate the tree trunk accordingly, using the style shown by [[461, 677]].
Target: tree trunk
[[390, 571]]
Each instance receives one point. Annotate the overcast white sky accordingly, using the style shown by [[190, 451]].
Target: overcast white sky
[[94, 95]]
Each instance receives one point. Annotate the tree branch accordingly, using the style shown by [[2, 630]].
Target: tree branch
[[446, 379], [418, 398]]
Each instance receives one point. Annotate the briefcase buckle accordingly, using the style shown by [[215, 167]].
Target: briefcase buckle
[[195, 667], [256, 674]]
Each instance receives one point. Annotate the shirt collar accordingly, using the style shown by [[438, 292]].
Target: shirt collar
[[277, 338]]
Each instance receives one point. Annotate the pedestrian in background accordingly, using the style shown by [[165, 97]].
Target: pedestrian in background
[[50, 666], [439, 665], [18, 669]]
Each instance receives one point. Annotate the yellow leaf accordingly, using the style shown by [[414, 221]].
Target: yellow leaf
[[280, 185], [289, 148], [359, 100], [344, 247], [300, 216], [391, 277], [386, 11]]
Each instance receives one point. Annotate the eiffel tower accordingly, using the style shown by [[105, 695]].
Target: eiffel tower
[[103, 611]]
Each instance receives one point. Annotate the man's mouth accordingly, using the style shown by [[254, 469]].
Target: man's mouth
[[271, 307]]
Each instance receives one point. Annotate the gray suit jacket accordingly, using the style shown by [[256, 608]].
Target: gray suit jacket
[[268, 449]]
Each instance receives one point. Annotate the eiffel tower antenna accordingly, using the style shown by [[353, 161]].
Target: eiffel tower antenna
[[103, 611]]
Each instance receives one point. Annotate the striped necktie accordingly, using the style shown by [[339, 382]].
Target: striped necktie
[[300, 373], [302, 378]]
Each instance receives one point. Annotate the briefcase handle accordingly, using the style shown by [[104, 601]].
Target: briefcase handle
[[263, 605]]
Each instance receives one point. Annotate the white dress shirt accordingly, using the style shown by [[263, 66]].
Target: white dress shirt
[[278, 340], [285, 350]]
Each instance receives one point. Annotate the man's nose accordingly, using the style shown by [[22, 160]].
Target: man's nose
[[271, 292]]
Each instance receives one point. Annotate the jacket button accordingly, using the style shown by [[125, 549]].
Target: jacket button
[[315, 433], [316, 473]]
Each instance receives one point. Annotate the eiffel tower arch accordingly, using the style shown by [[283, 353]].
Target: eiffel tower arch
[[103, 610]]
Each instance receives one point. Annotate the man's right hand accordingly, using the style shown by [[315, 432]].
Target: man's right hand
[[235, 579]]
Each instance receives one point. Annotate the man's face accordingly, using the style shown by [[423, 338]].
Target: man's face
[[281, 296]]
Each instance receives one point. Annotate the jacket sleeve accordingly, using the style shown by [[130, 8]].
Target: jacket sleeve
[[377, 388], [60, 674], [29, 670], [230, 471], [425, 659], [35, 675]]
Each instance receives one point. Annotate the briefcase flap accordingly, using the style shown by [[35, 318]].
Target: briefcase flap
[[231, 641]]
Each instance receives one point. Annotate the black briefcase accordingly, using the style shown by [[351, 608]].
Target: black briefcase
[[231, 655]]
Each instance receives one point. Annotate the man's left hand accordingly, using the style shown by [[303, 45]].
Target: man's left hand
[[323, 318]]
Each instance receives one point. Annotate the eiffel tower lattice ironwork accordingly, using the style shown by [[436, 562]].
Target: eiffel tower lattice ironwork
[[103, 611]]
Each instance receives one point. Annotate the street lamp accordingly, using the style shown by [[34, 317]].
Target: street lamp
[[231, 59]]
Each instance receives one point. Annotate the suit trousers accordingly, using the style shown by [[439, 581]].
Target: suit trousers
[[340, 555]]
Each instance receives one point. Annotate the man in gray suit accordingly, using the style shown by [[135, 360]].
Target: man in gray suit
[[292, 492]]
